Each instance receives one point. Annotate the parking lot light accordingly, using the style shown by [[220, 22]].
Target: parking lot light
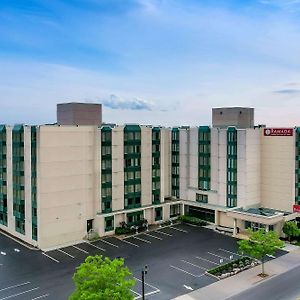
[[144, 272]]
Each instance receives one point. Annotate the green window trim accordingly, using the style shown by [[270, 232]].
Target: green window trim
[[231, 198], [175, 157], [204, 157]]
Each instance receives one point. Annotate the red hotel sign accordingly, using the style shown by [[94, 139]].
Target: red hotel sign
[[296, 208], [278, 131]]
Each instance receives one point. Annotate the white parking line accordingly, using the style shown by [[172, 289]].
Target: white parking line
[[156, 290], [80, 249], [271, 256], [96, 247], [15, 295], [140, 239], [184, 271], [212, 262], [132, 244], [147, 294], [14, 286], [66, 253], [182, 230], [153, 287], [224, 250], [155, 237], [218, 255], [164, 233], [139, 295], [109, 243], [50, 257], [40, 297], [187, 262]]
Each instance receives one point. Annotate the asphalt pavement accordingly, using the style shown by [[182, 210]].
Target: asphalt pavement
[[177, 258]]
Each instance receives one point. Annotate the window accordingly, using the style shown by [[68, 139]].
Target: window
[[202, 198], [106, 206], [156, 198], [109, 223], [155, 148], [174, 210], [106, 192], [155, 172], [155, 160], [158, 213], [155, 185], [106, 178], [105, 150]]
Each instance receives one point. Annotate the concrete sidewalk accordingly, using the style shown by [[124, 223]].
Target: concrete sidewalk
[[228, 287]]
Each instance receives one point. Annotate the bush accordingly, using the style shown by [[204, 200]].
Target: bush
[[192, 220], [123, 230]]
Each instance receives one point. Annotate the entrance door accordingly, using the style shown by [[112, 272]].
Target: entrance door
[[89, 225]]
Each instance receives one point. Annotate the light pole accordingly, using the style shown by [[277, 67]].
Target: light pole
[[144, 272]]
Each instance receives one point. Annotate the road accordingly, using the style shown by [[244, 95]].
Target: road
[[285, 286]]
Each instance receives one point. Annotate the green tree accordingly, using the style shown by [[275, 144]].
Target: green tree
[[291, 229], [260, 244], [99, 278]]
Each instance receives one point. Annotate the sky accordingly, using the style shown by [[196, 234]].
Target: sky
[[160, 62]]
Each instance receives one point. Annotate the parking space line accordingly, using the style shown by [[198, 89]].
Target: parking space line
[[164, 233], [156, 290], [40, 297], [147, 294], [189, 263], [184, 271], [108, 243], [80, 249], [140, 239], [50, 257], [147, 284], [96, 246], [14, 286], [212, 262], [182, 230], [155, 237], [139, 295], [224, 250], [18, 294], [66, 253], [132, 244], [218, 255]]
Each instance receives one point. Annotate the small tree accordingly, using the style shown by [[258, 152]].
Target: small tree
[[291, 229], [99, 278], [260, 244]]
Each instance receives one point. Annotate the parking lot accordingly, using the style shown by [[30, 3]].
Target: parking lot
[[177, 258]]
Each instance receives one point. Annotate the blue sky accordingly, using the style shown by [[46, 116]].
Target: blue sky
[[164, 62]]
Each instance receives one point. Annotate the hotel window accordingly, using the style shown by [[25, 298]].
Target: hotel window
[[202, 198]]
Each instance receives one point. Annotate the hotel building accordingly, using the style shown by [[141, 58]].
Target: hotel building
[[57, 182]]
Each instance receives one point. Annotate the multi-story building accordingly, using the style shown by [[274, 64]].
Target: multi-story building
[[57, 182]]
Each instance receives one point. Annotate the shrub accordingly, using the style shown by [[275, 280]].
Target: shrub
[[227, 268], [192, 220], [123, 230]]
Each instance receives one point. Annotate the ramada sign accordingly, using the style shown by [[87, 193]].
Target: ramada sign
[[296, 208], [278, 132]]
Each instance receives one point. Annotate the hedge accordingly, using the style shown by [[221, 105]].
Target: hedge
[[192, 220], [125, 230]]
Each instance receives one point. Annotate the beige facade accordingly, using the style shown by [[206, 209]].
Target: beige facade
[[86, 180]]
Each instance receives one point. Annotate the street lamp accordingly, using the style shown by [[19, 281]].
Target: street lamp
[[144, 272]]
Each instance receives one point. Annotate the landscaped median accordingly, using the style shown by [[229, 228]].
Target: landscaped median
[[232, 267]]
